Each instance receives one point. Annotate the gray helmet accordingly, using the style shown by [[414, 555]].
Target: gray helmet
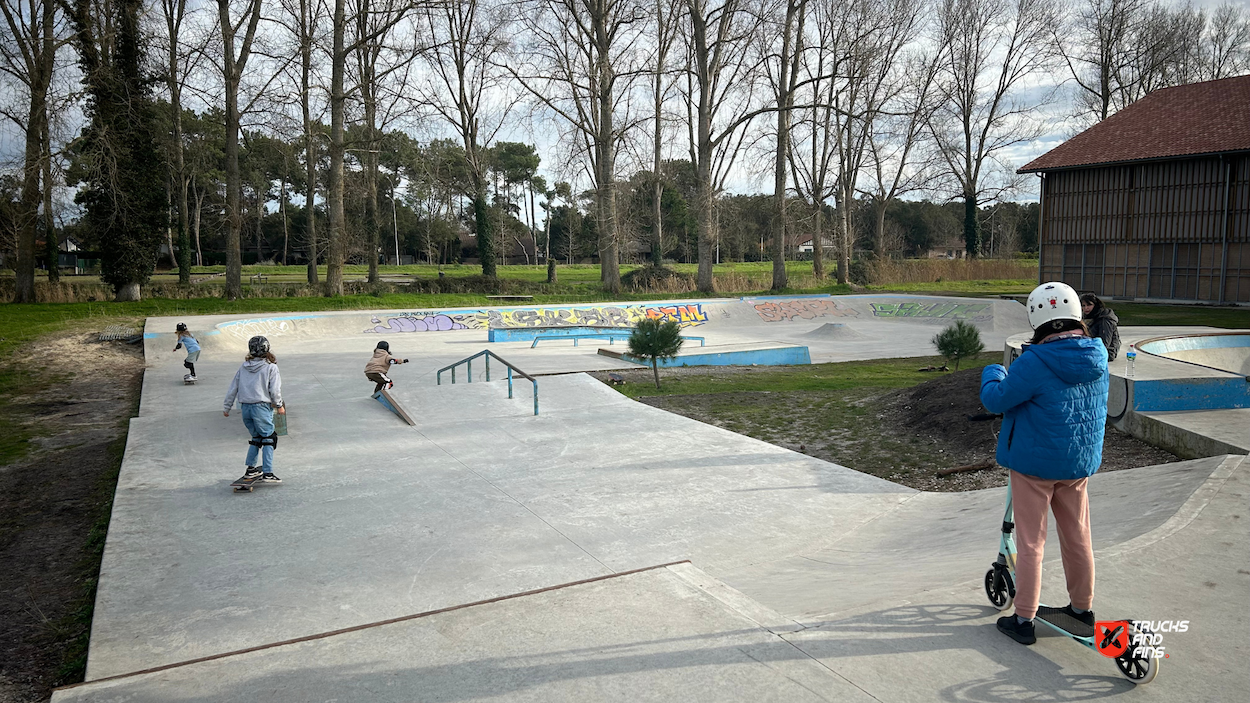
[[384, 346], [257, 346], [182, 327]]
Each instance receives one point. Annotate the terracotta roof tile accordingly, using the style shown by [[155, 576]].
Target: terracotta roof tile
[[1200, 118]]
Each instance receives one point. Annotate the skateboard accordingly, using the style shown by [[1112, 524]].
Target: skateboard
[[248, 484], [187, 382]]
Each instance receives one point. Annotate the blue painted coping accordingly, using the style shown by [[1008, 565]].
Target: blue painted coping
[[526, 334], [1205, 341], [777, 356], [1191, 394], [610, 336]]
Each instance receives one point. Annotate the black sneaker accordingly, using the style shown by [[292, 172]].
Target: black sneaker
[[1068, 620], [252, 472], [270, 478], [1021, 632]]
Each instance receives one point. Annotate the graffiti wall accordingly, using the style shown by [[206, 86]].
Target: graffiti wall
[[801, 309], [942, 311], [589, 316]]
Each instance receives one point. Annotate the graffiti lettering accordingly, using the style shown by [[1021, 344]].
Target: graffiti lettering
[[777, 311], [683, 315], [594, 316], [945, 311], [428, 323]]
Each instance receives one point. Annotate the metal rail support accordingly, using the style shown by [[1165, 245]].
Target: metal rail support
[[468, 362]]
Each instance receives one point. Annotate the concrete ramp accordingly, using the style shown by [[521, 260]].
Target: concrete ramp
[[392, 405]]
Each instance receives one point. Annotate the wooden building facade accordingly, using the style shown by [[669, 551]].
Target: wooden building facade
[[1154, 202]]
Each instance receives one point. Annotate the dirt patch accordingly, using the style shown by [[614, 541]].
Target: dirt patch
[[904, 435], [75, 401]]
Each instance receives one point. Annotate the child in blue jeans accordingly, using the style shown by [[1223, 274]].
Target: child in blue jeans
[[258, 387], [188, 340]]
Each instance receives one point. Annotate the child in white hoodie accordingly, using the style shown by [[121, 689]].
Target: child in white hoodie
[[258, 387]]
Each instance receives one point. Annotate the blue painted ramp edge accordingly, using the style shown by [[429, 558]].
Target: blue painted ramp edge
[[1191, 394], [776, 356], [386, 402], [527, 334]]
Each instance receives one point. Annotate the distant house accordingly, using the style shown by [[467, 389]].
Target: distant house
[[807, 246], [951, 249], [1154, 201]]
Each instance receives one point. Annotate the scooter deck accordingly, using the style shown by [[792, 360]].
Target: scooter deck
[[1068, 625]]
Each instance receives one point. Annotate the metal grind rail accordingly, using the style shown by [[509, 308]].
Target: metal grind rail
[[468, 362]]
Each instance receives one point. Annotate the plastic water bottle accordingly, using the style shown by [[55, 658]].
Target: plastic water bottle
[[1131, 356]]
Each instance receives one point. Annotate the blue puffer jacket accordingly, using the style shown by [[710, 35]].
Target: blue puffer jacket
[[1054, 406]]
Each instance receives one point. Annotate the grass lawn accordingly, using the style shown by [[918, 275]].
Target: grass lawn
[[878, 374]]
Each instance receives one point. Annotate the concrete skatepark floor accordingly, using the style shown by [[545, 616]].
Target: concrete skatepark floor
[[802, 579]]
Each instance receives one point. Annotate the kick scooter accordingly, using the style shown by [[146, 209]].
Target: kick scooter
[[1000, 586]]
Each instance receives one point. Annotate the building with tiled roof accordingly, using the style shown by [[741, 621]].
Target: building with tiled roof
[[1154, 201]]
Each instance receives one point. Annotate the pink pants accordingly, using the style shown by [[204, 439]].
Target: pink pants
[[1032, 498]]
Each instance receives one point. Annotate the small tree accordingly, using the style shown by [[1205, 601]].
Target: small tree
[[960, 340], [654, 340]]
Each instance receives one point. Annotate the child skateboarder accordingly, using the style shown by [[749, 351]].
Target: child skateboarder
[[258, 387], [188, 340], [378, 366]]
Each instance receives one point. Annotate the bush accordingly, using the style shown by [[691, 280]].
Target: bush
[[658, 279], [959, 341]]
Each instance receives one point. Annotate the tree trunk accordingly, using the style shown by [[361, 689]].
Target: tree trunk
[[338, 98], [234, 186], [609, 262], [51, 247], [31, 195], [127, 293], [818, 235], [972, 228], [481, 224], [199, 208], [878, 237], [286, 234], [655, 369]]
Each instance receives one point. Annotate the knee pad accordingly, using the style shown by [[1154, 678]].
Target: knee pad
[[263, 441], [188, 364]]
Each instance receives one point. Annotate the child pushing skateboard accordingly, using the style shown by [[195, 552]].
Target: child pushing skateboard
[[258, 387], [188, 340], [377, 368]]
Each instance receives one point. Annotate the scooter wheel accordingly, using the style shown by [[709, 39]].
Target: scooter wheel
[[1139, 670], [996, 590]]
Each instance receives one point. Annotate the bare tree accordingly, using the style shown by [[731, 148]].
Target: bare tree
[[580, 64], [721, 100], [465, 89], [238, 36], [383, 59], [1226, 48], [667, 16], [304, 18], [28, 59], [785, 83], [994, 46], [897, 160]]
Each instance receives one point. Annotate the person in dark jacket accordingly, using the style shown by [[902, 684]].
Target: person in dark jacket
[[1054, 407], [1102, 323]]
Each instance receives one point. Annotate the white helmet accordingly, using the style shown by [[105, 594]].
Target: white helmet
[[1053, 301]]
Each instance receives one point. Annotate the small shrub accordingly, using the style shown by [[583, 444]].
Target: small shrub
[[652, 340], [959, 341]]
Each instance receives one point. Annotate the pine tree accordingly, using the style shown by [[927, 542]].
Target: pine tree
[[959, 341], [652, 340]]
